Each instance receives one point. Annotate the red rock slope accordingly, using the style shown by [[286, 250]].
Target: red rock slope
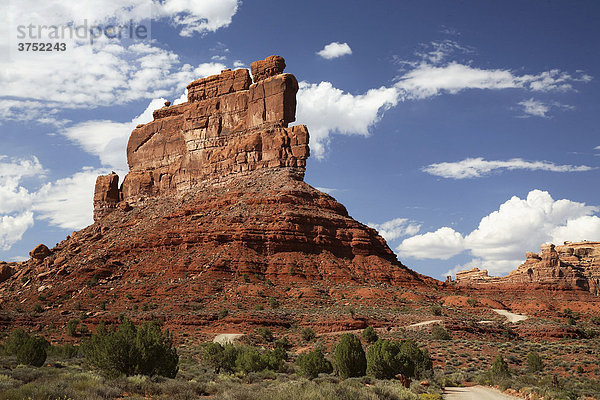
[[215, 193]]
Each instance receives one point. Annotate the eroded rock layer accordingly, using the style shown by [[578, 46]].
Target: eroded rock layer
[[569, 266], [215, 187]]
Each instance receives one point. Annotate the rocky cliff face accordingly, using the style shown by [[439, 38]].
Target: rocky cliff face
[[217, 183], [215, 193], [572, 266], [228, 126]]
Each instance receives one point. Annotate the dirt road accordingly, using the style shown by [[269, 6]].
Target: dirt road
[[475, 393], [512, 317], [225, 338]]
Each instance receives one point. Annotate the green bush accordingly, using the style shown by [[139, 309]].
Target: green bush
[[499, 369], [265, 333], [534, 362], [436, 309], [72, 327], [132, 350], [229, 356], [16, 340], [385, 360], [312, 364], [283, 343], [30, 350], [249, 360], [438, 332], [350, 357], [423, 366], [274, 359], [213, 354], [64, 351], [308, 334], [370, 335], [33, 351], [273, 303]]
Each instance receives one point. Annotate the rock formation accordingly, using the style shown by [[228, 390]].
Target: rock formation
[[215, 189], [228, 126], [570, 266]]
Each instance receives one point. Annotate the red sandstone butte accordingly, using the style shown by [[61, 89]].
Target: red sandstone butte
[[216, 190], [572, 266]]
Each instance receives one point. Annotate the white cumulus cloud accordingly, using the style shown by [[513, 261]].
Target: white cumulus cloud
[[68, 202], [477, 167], [428, 80], [335, 50], [109, 72], [396, 228], [326, 110], [191, 16], [108, 139], [441, 244], [519, 225], [15, 200], [12, 228]]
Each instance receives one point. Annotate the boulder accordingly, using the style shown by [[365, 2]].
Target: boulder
[[40, 252]]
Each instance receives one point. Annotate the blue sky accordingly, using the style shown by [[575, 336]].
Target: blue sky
[[465, 131]]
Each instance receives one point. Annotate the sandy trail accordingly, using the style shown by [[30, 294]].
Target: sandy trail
[[225, 338], [475, 393], [418, 324], [512, 317]]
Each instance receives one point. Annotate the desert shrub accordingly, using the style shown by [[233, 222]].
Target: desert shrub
[[63, 351], [249, 360], [15, 340], [473, 302], [265, 333], [273, 303], [132, 350], [283, 343], [33, 351], [314, 363], [385, 360], [30, 350], [534, 362], [436, 309], [223, 313], [308, 334], [274, 359], [350, 357], [499, 369], [438, 332], [229, 356], [72, 326], [423, 366], [213, 354], [370, 335]]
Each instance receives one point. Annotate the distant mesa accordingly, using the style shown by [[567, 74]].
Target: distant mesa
[[571, 266]]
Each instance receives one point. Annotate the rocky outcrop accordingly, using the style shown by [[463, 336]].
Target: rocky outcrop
[[6, 271], [229, 125], [471, 275], [216, 186], [40, 252], [270, 66], [107, 195], [572, 266]]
